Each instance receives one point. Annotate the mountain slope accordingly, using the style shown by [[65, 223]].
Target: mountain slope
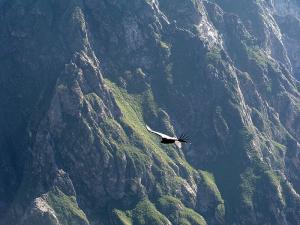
[[80, 79]]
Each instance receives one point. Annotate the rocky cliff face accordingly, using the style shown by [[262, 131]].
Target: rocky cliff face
[[80, 78]]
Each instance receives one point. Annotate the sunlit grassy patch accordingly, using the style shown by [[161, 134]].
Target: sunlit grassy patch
[[66, 208], [177, 213]]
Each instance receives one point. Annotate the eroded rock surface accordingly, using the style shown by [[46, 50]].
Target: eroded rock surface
[[80, 78]]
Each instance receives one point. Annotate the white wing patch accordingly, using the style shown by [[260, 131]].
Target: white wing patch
[[160, 134]]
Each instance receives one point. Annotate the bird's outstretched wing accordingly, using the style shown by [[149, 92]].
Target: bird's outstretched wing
[[160, 134]]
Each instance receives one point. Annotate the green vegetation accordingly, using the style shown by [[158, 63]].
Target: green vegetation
[[247, 186], [132, 107], [245, 138], [167, 200], [66, 208], [258, 56], [209, 180], [256, 181], [124, 217], [167, 161], [273, 178], [214, 55], [177, 213], [278, 146], [146, 213], [112, 159], [192, 216]]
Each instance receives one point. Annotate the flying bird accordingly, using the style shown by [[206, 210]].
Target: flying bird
[[165, 139]]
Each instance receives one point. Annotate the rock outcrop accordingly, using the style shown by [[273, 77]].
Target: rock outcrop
[[80, 78]]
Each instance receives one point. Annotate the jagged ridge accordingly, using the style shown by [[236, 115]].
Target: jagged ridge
[[224, 75]]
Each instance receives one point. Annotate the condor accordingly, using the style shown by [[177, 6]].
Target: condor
[[165, 139]]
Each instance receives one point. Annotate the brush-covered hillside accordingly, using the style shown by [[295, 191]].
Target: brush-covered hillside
[[80, 79]]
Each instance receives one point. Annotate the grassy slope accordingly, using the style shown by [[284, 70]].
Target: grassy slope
[[131, 106], [66, 208], [177, 212]]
